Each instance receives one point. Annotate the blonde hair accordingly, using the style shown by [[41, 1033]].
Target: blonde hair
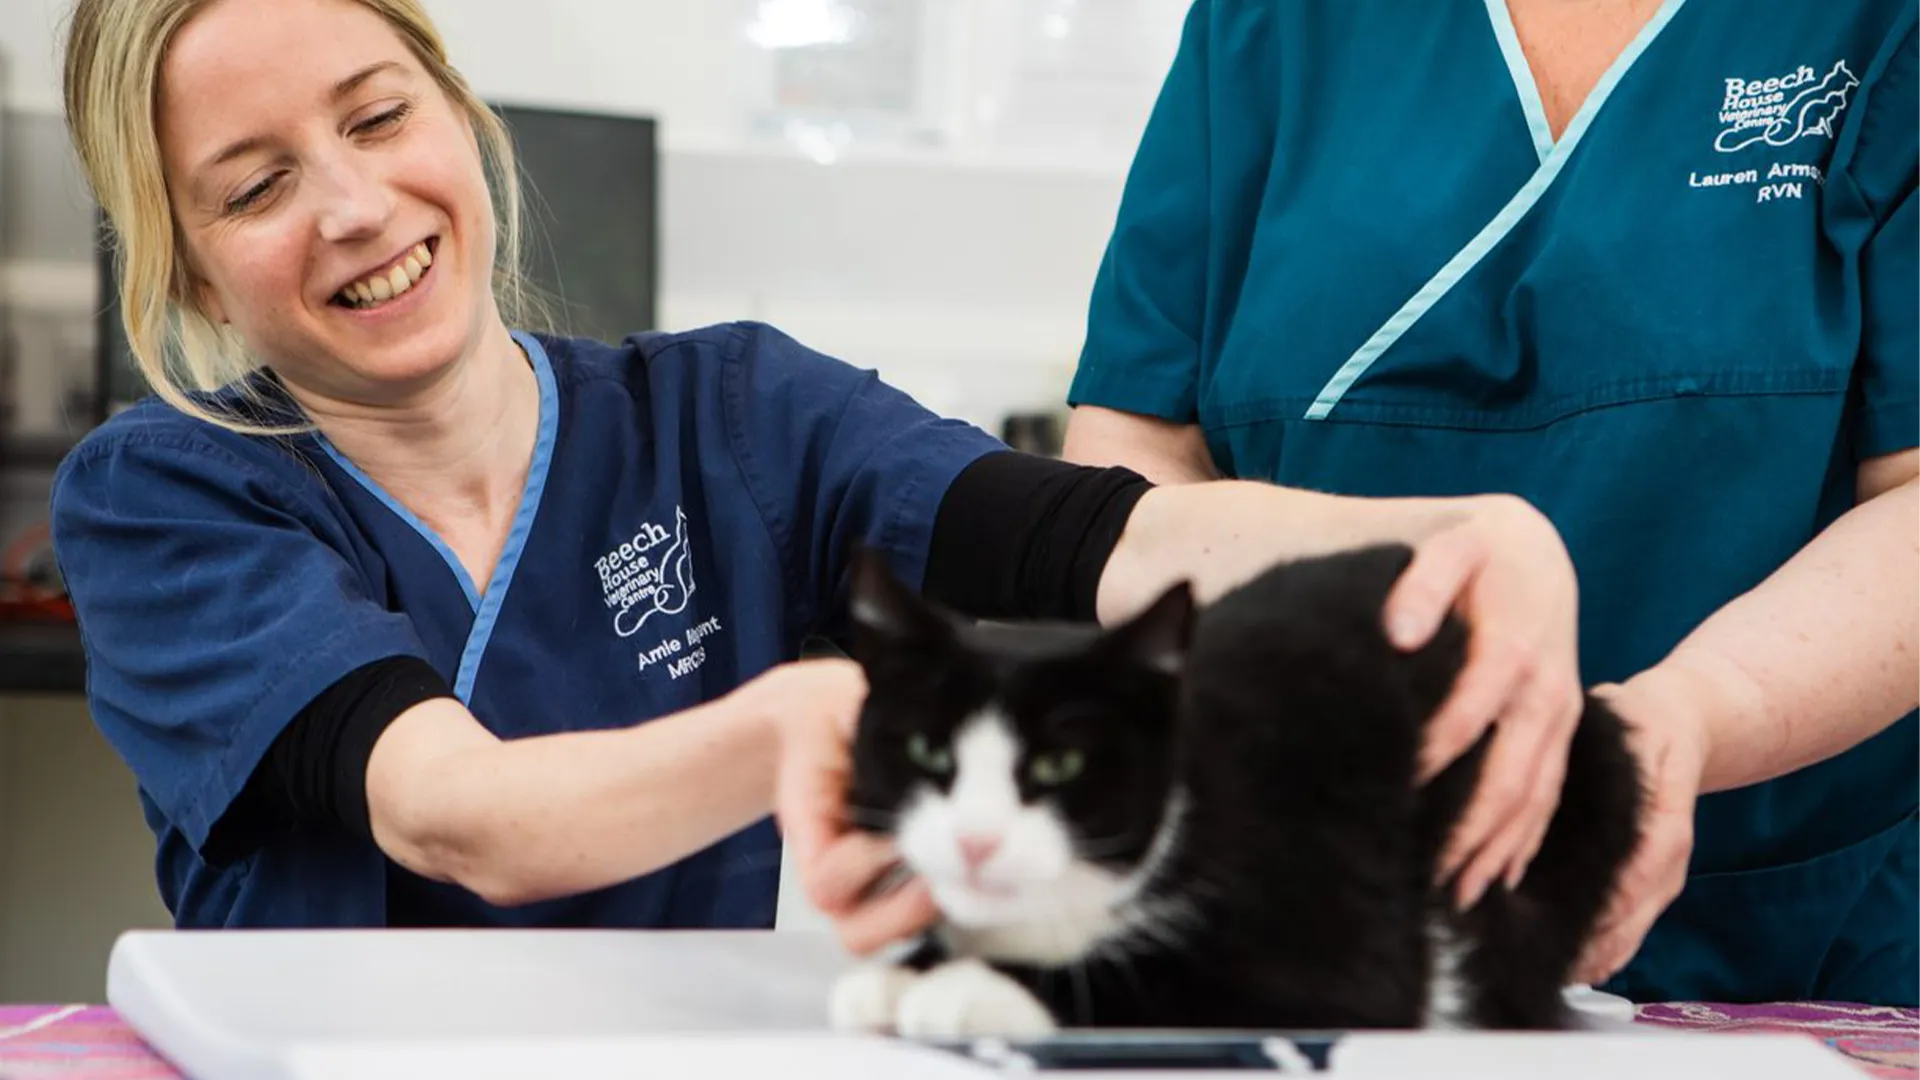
[[114, 52]]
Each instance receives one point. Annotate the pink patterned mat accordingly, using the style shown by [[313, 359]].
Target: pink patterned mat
[[75, 1042], [1884, 1042]]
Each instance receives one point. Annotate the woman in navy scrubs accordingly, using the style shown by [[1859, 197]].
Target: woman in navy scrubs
[[1651, 267], [402, 616]]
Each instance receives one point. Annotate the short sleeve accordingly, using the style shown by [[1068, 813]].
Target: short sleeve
[[215, 601], [835, 458], [1883, 164], [1146, 314]]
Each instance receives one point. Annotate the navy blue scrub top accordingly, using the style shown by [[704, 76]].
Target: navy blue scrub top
[[1352, 252], [685, 526]]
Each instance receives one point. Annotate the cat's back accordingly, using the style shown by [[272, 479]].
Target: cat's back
[[1295, 703], [1313, 629], [1311, 597]]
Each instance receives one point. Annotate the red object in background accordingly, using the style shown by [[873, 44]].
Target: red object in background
[[25, 595]]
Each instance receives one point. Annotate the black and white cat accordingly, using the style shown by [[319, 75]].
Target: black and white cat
[[1203, 820]]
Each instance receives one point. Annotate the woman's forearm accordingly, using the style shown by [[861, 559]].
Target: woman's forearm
[[1220, 534], [1814, 660], [521, 820]]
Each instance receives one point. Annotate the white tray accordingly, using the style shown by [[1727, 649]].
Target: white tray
[[267, 1005]]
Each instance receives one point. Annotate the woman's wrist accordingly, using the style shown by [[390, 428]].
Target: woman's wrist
[[1694, 698]]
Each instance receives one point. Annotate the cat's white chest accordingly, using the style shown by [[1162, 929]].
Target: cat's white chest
[[1448, 1007]]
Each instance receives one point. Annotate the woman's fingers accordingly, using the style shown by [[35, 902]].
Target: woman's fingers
[[1431, 585], [846, 871], [810, 787], [1546, 793], [1650, 882], [1491, 678], [1518, 788], [1669, 744], [1501, 790], [888, 918]]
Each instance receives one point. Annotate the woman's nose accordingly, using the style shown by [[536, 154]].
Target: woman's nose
[[356, 202]]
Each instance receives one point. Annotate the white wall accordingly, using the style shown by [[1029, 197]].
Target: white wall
[[27, 42], [571, 52]]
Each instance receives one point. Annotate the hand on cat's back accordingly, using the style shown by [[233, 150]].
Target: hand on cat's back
[[839, 865], [1504, 569]]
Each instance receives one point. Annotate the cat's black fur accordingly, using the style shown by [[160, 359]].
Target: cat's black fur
[[1304, 862]]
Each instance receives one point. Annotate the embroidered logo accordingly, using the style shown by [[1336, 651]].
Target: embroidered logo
[[1779, 110], [651, 574]]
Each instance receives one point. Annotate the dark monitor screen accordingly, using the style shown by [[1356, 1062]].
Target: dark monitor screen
[[590, 184], [591, 187]]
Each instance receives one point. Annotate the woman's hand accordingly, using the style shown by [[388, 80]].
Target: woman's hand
[[840, 866], [1669, 738], [1503, 568]]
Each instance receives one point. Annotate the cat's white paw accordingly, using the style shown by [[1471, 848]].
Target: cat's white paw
[[967, 998], [866, 998]]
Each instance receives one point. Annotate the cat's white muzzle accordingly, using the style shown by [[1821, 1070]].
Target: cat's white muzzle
[[985, 865]]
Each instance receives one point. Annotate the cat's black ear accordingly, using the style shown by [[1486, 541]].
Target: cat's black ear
[[1158, 637], [882, 605]]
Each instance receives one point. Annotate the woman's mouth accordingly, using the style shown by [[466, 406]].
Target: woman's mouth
[[396, 280]]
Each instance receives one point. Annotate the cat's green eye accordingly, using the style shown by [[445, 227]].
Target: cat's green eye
[[1055, 769], [935, 759]]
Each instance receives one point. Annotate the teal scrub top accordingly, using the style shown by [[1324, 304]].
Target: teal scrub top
[[1351, 250]]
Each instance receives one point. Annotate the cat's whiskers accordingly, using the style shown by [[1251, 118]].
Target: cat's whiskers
[[1117, 953], [1163, 921]]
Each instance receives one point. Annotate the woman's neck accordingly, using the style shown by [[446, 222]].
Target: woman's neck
[[457, 454]]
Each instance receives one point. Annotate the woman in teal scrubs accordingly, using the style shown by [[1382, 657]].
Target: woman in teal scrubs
[[1651, 267]]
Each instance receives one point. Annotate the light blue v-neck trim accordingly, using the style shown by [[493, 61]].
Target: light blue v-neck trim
[[496, 594], [1523, 81], [413, 521], [487, 605], [1496, 230]]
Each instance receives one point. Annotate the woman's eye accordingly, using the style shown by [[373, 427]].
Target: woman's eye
[[247, 199], [937, 760], [1052, 770], [383, 121]]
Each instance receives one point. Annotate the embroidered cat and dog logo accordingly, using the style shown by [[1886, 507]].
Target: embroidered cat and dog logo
[[1782, 109], [651, 574]]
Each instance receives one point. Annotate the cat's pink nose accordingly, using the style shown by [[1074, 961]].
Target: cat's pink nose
[[976, 849]]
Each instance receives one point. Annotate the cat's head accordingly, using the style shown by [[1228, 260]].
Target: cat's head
[[1024, 771]]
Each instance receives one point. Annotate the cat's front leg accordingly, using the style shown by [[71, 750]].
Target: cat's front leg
[[868, 997], [966, 998]]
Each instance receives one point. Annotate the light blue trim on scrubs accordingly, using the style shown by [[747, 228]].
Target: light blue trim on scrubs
[[1496, 230], [426, 531], [486, 605], [1523, 80], [496, 594]]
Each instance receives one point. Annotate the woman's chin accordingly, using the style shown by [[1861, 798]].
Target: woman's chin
[[399, 355]]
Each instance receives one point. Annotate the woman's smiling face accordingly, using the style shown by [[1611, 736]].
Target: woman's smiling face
[[329, 196]]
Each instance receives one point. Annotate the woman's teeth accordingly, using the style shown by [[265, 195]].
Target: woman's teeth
[[380, 288]]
